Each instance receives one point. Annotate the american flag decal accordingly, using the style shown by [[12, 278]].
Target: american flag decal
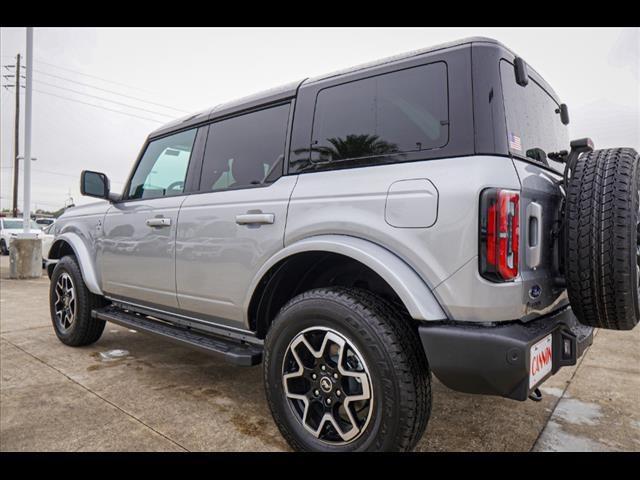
[[514, 142]]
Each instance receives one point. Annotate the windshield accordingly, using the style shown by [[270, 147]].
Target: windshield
[[17, 224], [532, 120]]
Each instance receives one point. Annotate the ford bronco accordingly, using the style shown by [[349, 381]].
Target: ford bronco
[[357, 232]]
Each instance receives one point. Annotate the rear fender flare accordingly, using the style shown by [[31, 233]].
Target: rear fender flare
[[410, 288]]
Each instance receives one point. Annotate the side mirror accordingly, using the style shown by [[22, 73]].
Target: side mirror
[[522, 74], [94, 184]]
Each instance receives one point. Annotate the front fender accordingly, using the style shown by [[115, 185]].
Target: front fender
[[80, 250], [414, 293]]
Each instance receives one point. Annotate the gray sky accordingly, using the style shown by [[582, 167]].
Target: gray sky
[[595, 71]]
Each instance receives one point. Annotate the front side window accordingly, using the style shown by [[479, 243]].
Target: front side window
[[246, 150], [382, 116], [163, 168]]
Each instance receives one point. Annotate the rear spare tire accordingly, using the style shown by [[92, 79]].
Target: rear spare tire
[[601, 239]]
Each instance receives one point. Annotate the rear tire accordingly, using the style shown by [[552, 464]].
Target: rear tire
[[381, 348], [4, 250], [71, 303], [601, 239]]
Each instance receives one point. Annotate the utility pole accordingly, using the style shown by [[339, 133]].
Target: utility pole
[[16, 147], [26, 194]]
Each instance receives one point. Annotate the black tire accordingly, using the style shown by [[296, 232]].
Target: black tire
[[601, 239], [400, 379], [4, 250], [82, 330]]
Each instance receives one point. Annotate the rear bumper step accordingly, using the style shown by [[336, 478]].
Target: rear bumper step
[[231, 351], [495, 360]]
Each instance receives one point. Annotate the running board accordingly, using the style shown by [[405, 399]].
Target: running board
[[231, 351]]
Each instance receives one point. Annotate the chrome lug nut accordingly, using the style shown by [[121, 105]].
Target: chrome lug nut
[[328, 401], [338, 393], [316, 392], [314, 376], [335, 375], [323, 368]]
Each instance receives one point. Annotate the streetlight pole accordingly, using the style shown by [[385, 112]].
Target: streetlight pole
[[26, 211], [25, 260]]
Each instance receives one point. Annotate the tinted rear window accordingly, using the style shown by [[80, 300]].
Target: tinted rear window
[[246, 150], [377, 119], [532, 119]]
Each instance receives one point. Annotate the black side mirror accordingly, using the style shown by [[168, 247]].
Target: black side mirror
[[522, 74], [94, 184], [564, 113]]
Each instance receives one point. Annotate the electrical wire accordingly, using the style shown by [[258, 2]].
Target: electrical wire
[[102, 98], [108, 91], [98, 106], [42, 62], [38, 170]]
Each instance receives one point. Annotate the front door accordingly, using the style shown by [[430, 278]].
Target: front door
[[138, 259]]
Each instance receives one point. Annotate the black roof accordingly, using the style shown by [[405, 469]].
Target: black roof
[[289, 90], [267, 96]]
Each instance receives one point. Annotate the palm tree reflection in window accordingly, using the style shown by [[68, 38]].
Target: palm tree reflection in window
[[349, 151], [357, 146]]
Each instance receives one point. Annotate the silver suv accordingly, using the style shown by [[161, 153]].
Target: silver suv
[[357, 231]]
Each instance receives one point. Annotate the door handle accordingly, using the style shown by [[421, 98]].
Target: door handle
[[534, 234], [158, 222], [255, 218]]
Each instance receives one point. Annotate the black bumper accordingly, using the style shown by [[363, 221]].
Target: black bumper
[[494, 360]]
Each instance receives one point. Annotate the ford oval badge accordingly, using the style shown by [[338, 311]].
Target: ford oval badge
[[535, 291]]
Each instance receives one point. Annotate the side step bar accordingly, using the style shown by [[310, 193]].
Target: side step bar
[[234, 352]]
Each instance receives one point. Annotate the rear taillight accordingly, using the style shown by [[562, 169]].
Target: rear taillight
[[499, 234]]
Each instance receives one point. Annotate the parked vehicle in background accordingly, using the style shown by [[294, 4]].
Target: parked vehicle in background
[[11, 227], [359, 230]]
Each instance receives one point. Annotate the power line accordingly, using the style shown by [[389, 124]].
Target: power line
[[102, 98], [109, 91], [98, 106], [57, 173], [89, 75]]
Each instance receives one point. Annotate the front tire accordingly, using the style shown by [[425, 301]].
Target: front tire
[[4, 250], [71, 303], [345, 371]]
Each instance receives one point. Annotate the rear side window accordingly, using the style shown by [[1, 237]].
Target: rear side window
[[377, 119], [245, 151], [163, 167]]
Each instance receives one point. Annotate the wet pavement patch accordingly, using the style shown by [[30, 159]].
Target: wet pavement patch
[[112, 355], [576, 412]]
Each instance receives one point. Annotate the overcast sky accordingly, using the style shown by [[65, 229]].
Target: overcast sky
[[595, 71]]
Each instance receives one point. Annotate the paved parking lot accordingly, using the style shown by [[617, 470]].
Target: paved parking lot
[[132, 392]]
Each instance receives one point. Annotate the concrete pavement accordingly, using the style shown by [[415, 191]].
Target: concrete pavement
[[133, 392]]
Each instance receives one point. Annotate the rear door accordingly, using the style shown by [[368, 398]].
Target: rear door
[[534, 129], [540, 246], [236, 221]]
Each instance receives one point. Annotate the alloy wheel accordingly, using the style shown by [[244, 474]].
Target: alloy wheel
[[65, 302], [327, 385]]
